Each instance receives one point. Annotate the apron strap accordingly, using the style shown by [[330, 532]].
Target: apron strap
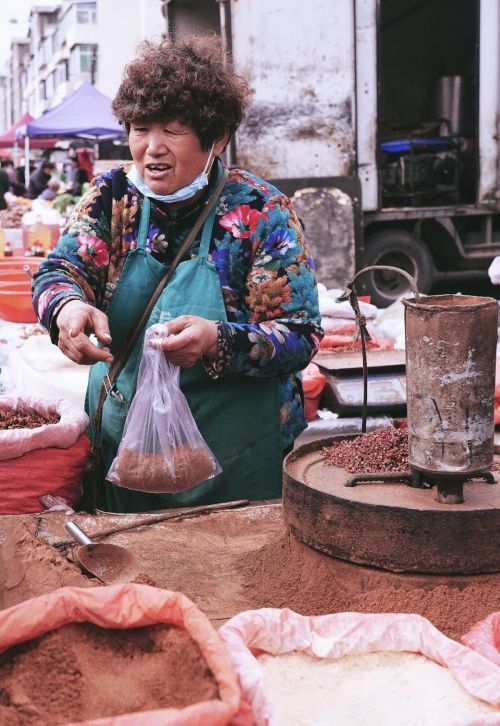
[[144, 224], [206, 235]]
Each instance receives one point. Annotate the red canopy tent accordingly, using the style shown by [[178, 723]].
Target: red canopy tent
[[9, 139]]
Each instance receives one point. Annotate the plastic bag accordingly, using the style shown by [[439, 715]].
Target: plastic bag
[[278, 632], [134, 606], [313, 382], [162, 450], [494, 271], [328, 306], [496, 411]]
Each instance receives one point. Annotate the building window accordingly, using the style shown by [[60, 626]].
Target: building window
[[82, 58], [61, 73], [42, 91], [86, 13], [87, 55]]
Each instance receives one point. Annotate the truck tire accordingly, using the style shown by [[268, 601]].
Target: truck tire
[[397, 248]]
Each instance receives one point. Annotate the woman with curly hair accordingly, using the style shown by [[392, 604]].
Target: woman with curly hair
[[241, 306]]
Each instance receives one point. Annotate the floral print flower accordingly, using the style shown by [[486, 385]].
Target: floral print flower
[[277, 330], [49, 294], [280, 241], [262, 349], [242, 221], [259, 275], [93, 249]]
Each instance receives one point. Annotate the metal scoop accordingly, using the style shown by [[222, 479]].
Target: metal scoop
[[108, 562]]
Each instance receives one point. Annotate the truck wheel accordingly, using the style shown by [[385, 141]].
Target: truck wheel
[[397, 248]]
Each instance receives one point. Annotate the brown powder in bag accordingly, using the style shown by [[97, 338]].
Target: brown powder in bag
[[178, 469], [81, 671]]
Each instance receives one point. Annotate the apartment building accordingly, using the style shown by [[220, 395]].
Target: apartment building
[[18, 59], [74, 41]]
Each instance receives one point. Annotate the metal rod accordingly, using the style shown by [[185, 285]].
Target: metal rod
[[74, 530], [184, 513], [388, 268], [365, 385], [374, 477]]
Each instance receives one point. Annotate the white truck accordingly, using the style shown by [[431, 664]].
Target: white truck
[[380, 118]]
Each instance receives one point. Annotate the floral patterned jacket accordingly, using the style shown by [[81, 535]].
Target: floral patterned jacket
[[265, 269]]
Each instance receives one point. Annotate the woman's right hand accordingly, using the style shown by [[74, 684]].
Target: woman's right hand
[[76, 321]]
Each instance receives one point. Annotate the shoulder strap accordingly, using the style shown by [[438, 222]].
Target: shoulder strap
[[122, 356]]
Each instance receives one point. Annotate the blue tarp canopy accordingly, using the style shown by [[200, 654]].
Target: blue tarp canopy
[[85, 113]]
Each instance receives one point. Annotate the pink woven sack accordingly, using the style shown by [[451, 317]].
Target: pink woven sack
[[484, 638], [16, 442], [281, 631], [132, 606]]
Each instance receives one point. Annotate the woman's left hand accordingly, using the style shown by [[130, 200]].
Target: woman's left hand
[[189, 337]]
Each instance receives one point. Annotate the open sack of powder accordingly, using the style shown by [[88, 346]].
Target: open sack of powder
[[351, 668], [44, 448], [121, 655], [162, 449]]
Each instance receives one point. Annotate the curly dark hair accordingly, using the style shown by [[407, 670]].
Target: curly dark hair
[[188, 81]]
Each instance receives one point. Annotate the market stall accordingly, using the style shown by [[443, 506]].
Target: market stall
[[376, 583]]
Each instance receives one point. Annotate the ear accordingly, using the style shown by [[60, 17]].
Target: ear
[[221, 144]]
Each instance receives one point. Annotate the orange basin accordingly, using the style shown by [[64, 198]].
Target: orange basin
[[15, 302]]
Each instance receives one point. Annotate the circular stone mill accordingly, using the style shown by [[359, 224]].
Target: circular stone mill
[[443, 515]]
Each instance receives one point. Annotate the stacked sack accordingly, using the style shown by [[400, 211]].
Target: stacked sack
[[339, 323]]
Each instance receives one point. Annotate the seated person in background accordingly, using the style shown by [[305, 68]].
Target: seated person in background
[[4, 187], [39, 180], [15, 185], [77, 177], [50, 193]]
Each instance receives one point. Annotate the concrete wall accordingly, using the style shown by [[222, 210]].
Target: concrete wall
[[121, 24], [328, 215], [299, 57]]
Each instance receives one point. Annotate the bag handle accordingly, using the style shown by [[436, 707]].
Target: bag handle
[[122, 357]]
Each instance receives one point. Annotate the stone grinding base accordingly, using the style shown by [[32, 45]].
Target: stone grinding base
[[392, 526]]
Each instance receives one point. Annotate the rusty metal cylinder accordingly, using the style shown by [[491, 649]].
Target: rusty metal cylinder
[[450, 380]]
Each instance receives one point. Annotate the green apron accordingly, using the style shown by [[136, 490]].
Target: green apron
[[237, 415]]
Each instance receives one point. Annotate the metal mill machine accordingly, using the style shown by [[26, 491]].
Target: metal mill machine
[[442, 516]]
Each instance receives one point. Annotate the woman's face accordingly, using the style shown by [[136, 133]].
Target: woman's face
[[168, 156]]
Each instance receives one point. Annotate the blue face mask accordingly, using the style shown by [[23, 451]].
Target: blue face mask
[[182, 194]]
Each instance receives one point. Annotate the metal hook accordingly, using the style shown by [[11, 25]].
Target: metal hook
[[349, 294]]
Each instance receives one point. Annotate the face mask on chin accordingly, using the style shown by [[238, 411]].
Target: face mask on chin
[[182, 194]]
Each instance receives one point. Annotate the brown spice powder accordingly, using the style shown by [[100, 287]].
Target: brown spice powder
[[179, 469], [81, 671], [287, 573], [29, 566]]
